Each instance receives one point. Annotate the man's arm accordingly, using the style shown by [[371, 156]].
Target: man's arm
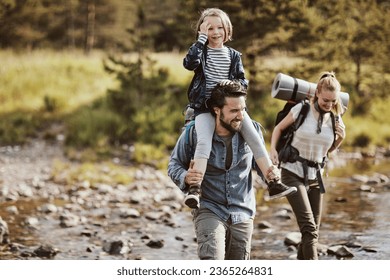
[[179, 163]]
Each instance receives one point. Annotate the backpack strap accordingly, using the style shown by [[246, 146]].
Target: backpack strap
[[334, 127], [189, 137], [295, 90], [302, 114]]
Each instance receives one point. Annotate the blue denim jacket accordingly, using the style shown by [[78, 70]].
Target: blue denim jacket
[[229, 192]]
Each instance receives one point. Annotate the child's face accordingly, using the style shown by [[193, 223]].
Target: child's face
[[216, 32]]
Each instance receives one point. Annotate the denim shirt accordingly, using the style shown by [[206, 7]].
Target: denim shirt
[[228, 193]]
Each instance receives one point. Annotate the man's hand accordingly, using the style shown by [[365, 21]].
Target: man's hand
[[193, 176]]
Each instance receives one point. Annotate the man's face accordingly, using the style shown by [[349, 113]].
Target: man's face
[[231, 115]]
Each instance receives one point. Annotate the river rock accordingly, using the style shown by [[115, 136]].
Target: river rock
[[4, 232], [129, 213], [264, 225], [360, 178], [32, 222], [25, 190], [156, 244], [46, 251], [117, 247], [48, 208], [13, 210], [69, 220], [292, 238], [340, 251], [366, 188]]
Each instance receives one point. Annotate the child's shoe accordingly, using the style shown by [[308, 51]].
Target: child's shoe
[[192, 199], [277, 189]]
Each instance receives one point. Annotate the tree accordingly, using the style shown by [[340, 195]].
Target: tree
[[351, 38], [143, 88]]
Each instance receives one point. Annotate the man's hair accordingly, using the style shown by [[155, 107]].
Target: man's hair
[[220, 92]]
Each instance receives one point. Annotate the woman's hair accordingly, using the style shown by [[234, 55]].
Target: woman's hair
[[215, 12], [329, 82]]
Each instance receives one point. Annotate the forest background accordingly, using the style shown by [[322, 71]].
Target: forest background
[[106, 76]]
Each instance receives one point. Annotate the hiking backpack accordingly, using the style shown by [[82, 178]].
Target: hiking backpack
[[189, 136], [283, 147], [288, 134]]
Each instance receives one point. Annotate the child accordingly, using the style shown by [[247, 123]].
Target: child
[[213, 63]]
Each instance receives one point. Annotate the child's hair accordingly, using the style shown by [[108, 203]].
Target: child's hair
[[215, 12], [329, 82]]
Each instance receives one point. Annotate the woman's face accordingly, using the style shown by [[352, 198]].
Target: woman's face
[[327, 99]]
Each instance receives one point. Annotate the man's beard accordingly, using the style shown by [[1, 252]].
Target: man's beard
[[228, 126]]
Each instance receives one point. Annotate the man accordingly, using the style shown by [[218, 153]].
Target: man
[[224, 220]]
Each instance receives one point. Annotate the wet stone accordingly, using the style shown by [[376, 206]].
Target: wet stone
[[4, 233], [48, 208], [156, 244], [69, 220], [46, 251], [340, 251], [292, 238], [32, 222], [264, 225], [13, 210], [153, 215], [116, 247]]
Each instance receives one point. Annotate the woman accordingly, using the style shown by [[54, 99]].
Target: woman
[[321, 132]]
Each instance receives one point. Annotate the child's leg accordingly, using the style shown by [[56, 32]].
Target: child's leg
[[257, 145], [271, 173], [205, 126]]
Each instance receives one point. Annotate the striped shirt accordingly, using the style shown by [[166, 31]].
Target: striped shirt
[[217, 65]]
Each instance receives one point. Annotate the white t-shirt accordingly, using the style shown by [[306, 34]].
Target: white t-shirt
[[311, 146]]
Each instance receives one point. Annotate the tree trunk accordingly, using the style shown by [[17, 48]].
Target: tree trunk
[[71, 39], [90, 26]]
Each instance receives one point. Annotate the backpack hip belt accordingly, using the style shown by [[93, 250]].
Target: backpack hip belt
[[309, 163]]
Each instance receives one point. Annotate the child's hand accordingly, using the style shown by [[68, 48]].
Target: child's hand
[[225, 82], [204, 27]]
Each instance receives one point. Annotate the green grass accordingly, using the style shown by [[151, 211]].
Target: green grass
[[43, 86], [52, 81]]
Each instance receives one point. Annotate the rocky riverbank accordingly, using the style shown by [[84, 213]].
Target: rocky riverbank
[[43, 216]]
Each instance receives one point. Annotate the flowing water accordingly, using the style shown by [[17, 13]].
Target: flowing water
[[350, 215]]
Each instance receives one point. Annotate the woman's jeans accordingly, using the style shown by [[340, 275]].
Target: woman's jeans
[[307, 206], [219, 240]]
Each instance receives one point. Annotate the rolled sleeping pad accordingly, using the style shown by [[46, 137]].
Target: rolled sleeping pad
[[288, 88]]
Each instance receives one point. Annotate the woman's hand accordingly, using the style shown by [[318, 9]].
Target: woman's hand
[[274, 156], [340, 130]]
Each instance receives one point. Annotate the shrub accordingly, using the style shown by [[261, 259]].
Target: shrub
[[362, 140]]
